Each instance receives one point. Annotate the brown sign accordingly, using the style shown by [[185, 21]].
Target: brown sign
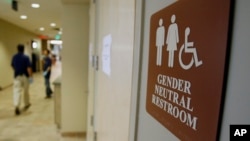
[[188, 42]]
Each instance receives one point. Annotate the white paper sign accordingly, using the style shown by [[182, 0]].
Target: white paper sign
[[107, 42]]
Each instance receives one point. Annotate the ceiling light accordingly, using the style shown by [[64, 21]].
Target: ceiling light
[[35, 5], [53, 24], [41, 29], [23, 17]]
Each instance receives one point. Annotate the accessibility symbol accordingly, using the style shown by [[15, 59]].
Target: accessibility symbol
[[172, 40], [188, 47]]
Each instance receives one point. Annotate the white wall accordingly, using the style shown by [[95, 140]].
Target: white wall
[[75, 22], [237, 99]]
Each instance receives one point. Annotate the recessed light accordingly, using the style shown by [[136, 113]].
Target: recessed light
[[23, 17], [52, 24], [41, 28], [35, 5]]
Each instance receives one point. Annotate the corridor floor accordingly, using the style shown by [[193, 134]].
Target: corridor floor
[[35, 124]]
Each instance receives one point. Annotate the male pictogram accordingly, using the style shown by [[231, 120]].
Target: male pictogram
[[160, 35]]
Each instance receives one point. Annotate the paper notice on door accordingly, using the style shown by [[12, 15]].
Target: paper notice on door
[[106, 58]]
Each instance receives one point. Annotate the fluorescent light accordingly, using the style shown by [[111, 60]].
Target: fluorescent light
[[53, 24], [58, 42], [35, 5], [23, 17]]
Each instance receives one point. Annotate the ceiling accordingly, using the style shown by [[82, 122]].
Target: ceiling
[[50, 11]]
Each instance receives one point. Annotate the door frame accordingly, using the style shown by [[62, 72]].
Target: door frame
[[93, 68], [137, 68]]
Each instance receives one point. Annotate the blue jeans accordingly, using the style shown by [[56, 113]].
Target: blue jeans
[[48, 88]]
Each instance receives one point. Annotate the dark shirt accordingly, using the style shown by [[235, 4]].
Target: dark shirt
[[46, 64], [20, 64]]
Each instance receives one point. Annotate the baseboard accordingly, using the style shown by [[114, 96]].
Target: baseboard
[[73, 134]]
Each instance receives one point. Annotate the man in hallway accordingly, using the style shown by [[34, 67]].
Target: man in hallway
[[47, 64], [22, 74]]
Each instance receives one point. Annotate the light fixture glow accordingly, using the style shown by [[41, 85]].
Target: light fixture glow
[[35, 5], [41, 28], [23, 17], [34, 45], [52, 24], [57, 42]]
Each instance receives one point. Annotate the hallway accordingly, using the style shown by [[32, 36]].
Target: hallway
[[36, 124]]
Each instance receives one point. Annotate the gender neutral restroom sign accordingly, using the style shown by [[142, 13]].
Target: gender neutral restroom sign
[[188, 44]]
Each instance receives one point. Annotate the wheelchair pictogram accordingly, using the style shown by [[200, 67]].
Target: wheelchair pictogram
[[188, 47]]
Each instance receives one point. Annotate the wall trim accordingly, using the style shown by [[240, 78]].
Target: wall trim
[[73, 134]]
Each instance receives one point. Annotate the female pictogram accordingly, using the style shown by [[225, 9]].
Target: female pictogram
[[172, 40]]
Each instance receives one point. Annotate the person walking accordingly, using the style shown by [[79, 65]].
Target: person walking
[[47, 64], [22, 77]]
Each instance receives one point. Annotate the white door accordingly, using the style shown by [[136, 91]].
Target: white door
[[114, 46]]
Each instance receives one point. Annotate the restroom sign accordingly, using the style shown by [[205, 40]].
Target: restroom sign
[[187, 55]]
